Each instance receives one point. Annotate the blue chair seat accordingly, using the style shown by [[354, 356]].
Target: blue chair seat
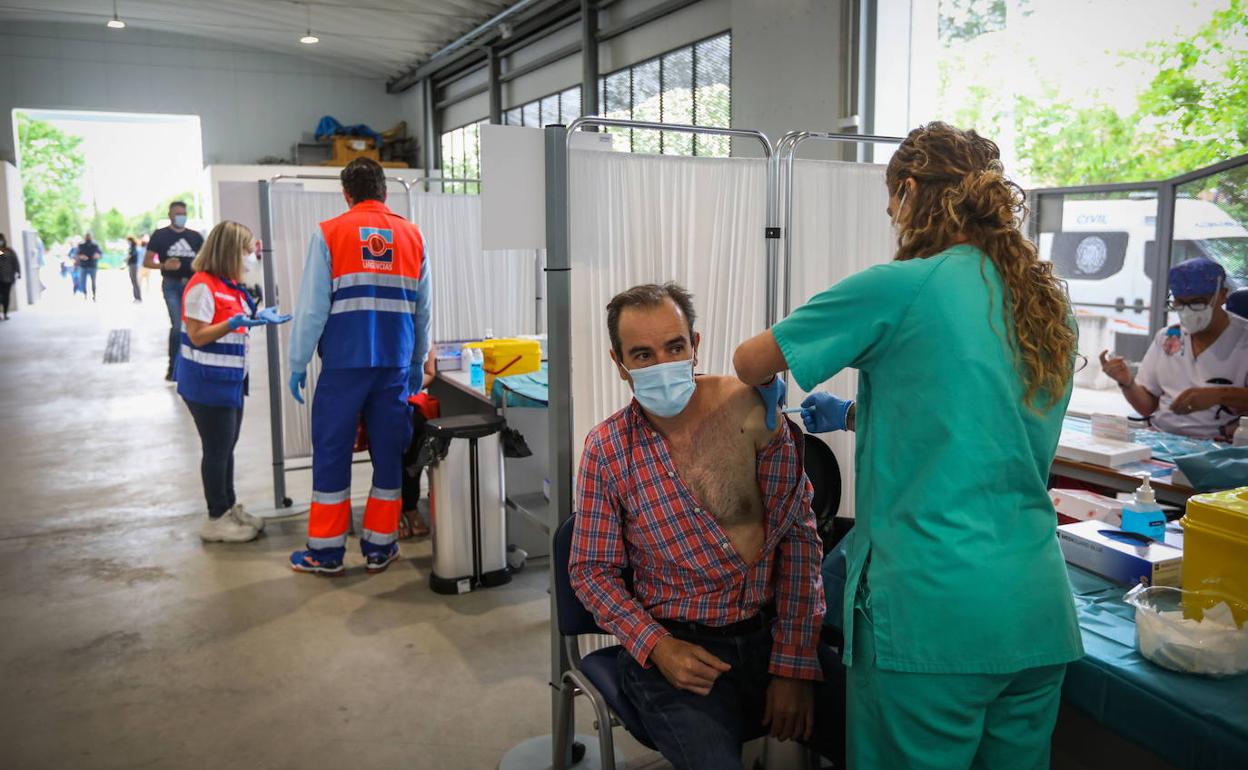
[[602, 668]]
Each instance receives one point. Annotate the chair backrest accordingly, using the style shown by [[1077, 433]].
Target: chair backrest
[[1237, 302], [824, 473], [573, 619]]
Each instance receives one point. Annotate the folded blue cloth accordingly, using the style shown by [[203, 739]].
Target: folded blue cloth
[[1216, 470]]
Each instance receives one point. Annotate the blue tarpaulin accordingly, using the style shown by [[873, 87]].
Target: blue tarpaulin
[[329, 126]]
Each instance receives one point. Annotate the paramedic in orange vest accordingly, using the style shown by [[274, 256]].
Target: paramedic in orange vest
[[364, 306], [211, 371]]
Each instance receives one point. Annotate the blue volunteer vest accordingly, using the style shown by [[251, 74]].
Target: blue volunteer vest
[[375, 262], [213, 374]]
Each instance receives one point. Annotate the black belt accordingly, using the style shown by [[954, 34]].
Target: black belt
[[745, 627]]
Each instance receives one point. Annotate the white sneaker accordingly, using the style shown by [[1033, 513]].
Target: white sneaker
[[241, 515], [227, 529]]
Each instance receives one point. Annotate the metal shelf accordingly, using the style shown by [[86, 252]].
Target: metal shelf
[[533, 506]]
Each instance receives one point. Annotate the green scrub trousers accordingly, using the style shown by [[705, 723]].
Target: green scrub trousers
[[958, 615]]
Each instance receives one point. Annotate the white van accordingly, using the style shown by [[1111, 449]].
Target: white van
[[1106, 251]]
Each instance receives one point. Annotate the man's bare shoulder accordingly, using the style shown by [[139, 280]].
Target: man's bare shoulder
[[733, 402]]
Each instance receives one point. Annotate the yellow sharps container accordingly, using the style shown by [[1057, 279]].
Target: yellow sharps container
[[1215, 546], [505, 357]]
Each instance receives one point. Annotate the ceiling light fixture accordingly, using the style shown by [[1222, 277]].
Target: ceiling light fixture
[[116, 23], [309, 38]]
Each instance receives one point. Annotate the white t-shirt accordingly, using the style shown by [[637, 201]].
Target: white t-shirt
[[1169, 369], [199, 304]]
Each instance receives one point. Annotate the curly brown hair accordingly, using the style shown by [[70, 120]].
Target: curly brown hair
[[961, 195]]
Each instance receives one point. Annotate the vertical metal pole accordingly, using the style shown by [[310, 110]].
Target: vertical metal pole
[[559, 410], [771, 238], [589, 59], [539, 286], [495, 86], [866, 77], [1165, 249], [432, 140], [273, 349]]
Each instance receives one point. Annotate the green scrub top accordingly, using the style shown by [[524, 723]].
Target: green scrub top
[[953, 511]]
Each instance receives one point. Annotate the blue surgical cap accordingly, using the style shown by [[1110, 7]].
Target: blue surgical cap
[[1196, 277]]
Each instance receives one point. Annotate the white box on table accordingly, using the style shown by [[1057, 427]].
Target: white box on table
[[1123, 557], [1080, 447]]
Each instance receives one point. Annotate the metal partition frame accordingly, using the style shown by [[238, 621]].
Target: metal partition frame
[[280, 498], [1167, 193], [786, 152], [558, 314]]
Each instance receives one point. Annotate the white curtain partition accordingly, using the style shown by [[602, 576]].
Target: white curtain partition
[[472, 290], [650, 219], [839, 228]]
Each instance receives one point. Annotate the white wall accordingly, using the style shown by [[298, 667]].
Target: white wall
[[251, 103]]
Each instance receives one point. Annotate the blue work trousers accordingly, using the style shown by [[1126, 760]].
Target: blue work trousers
[[342, 396]]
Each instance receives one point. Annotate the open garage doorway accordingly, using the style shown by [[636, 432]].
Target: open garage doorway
[[109, 174]]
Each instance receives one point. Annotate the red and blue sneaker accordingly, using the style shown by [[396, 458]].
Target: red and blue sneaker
[[378, 557], [319, 561]]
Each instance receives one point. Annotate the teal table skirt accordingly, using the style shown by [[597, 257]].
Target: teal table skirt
[[1190, 721]]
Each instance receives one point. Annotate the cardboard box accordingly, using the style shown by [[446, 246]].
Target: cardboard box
[[1082, 505], [1080, 447], [1122, 557]]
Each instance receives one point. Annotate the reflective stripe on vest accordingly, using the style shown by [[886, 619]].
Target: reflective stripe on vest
[[376, 259], [213, 374]]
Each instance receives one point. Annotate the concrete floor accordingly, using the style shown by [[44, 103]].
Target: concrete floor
[[125, 642]]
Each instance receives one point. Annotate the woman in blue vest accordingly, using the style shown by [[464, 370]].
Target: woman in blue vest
[[212, 370]]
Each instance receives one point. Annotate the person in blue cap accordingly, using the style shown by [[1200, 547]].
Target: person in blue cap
[[1193, 380]]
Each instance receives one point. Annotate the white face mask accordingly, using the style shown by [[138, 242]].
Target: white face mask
[[1195, 321], [250, 260], [900, 203]]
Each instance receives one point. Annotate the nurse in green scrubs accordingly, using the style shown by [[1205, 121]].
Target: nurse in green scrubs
[[959, 620]]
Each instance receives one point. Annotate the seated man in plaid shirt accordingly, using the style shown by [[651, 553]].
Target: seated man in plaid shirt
[[712, 511]]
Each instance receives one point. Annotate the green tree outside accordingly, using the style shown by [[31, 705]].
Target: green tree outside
[[52, 163]]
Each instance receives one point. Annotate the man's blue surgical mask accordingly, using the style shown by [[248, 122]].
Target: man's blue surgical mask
[[664, 389], [179, 220]]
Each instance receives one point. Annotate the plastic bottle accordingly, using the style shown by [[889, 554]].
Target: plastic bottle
[[1241, 433], [1143, 515], [477, 369], [489, 334]]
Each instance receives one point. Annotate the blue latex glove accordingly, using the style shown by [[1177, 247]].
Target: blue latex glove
[[772, 393], [297, 382], [269, 315], [824, 412], [241, 321]]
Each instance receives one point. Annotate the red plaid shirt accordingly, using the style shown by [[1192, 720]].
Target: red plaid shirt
[[633, 509]]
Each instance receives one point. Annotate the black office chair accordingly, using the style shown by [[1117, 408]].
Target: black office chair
[[596, 675], [1237, 302], [824, 473]]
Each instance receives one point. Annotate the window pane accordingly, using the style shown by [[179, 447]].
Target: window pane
[[646, 105], [533, 114], [1212, 213], [713, 106], [678, 100], [448, 152], [550, 110], [618, 103], [472, 151], [570, 105], [514, 117]]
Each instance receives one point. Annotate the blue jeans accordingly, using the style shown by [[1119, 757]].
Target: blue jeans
[[173, 301], [705, 732], [89, 271], [218, 428]]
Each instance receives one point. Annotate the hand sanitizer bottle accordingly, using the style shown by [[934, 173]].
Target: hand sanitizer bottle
[[1143, 515], [477, 369]]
